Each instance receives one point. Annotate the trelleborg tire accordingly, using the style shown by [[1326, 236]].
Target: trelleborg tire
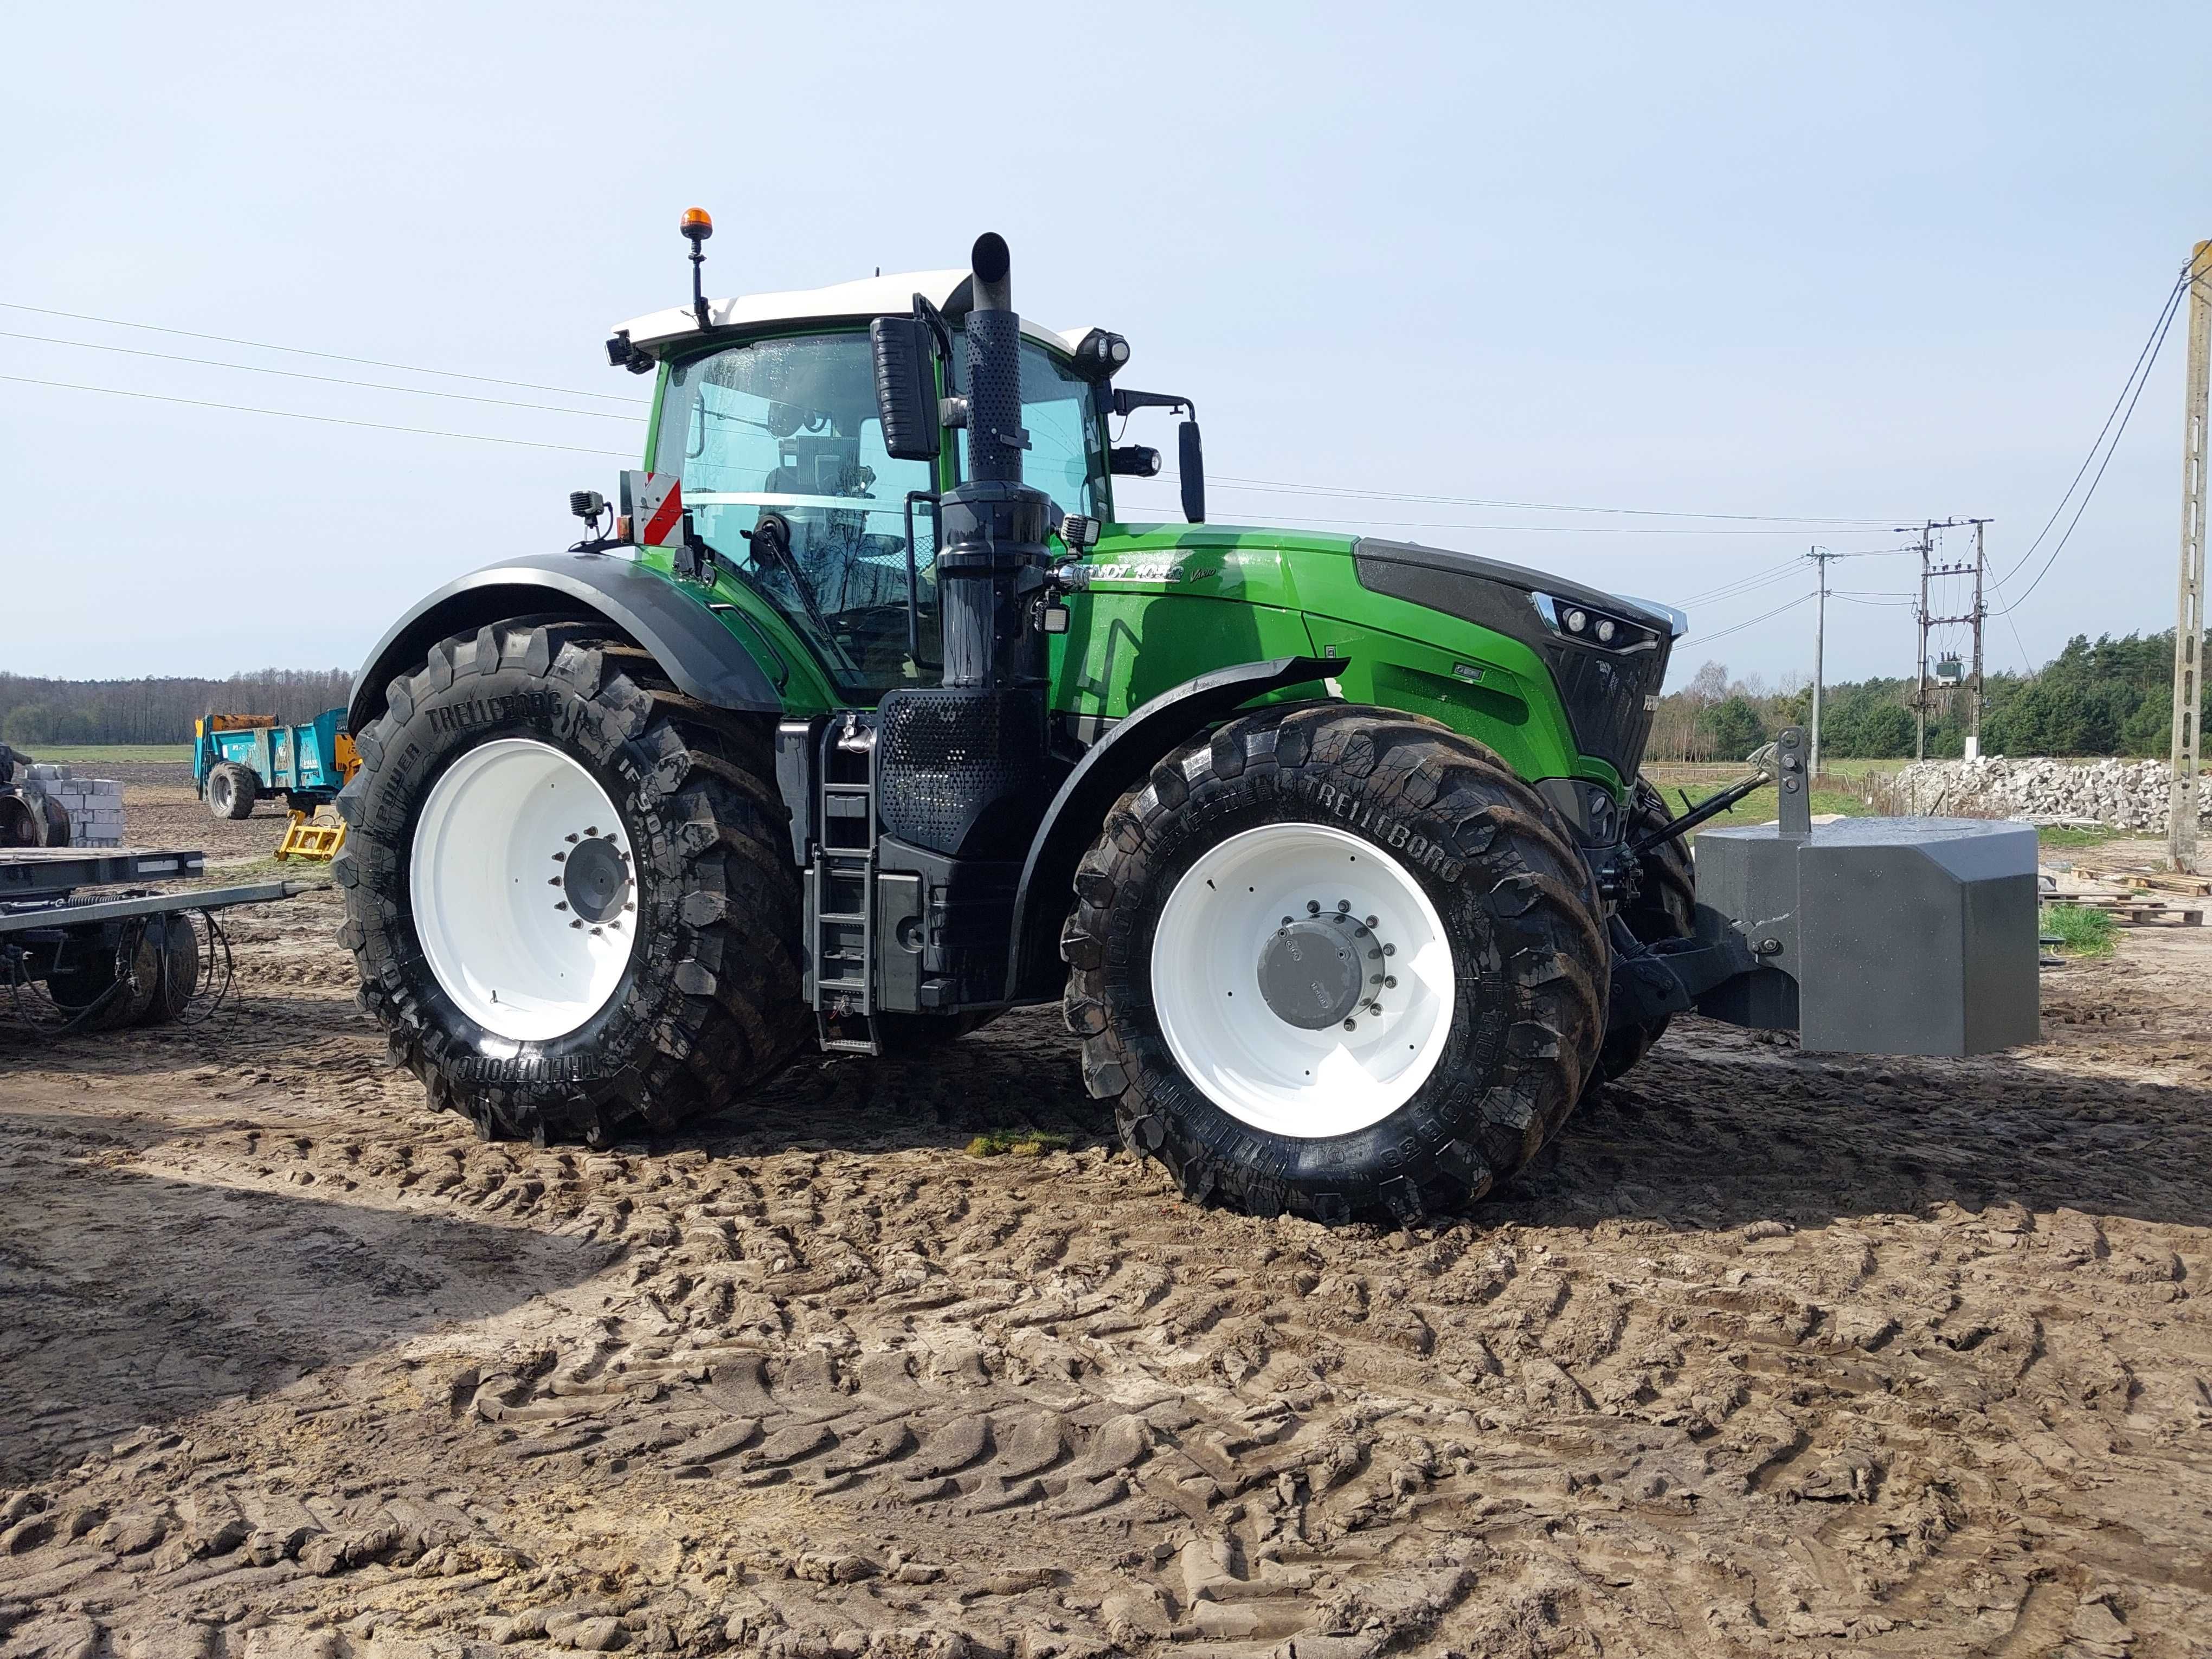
[[1665, 907], [649, 950], [1259, 1043]]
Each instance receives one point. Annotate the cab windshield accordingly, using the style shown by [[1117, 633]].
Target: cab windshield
[[789, 426]]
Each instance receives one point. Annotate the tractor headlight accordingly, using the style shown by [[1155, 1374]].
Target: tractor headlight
[[1587, 625]]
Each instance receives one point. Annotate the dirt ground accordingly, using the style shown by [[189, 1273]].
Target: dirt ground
[[1774, 1355]]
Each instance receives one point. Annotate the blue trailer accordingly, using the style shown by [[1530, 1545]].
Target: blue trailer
[[238, 759]]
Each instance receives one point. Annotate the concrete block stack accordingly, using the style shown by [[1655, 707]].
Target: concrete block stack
[[2127, 794], [94, 804]]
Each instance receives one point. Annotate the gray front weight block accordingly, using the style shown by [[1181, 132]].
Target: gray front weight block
[[1889, 936]]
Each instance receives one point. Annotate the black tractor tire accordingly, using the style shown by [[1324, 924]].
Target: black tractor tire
[[710, 1004], [1518, 906], [232, 790], [1665, 907]]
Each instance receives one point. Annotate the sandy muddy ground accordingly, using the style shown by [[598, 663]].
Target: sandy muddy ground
[[1775, 1355]]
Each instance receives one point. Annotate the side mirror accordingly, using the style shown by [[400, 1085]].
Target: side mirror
[[906, 387], [1190, 461]]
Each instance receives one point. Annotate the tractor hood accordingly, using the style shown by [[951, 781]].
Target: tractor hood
[[1608, 654]]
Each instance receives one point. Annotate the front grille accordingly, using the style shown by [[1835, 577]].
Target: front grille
[[1609, 700], [962, 772]]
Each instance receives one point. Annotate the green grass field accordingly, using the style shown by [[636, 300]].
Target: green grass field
[[92, 754]]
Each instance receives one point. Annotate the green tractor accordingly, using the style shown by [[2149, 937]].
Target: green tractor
[[863, 716]]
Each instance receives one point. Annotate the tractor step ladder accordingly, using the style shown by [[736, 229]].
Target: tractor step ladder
[[843, 901]]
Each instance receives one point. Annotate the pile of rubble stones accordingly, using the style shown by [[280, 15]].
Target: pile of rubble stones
[[2129, 794]]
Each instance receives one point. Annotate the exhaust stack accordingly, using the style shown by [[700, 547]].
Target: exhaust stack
[[994, 524]]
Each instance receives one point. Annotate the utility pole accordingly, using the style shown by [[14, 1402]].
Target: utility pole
[[1926, 547], [1820, 556], [1981, 614], [2189, 611], [1920, 681]]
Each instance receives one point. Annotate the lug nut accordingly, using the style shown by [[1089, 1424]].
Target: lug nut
[[1390, 982], [1313, 906], [1352, 1026]]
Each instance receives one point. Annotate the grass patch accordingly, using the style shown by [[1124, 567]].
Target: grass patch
[[1018, 1143], [92, 754], [1760, 806], [2079, 931], [2051, 835]]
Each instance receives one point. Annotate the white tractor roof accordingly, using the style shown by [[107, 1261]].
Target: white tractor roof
[[869, 297]]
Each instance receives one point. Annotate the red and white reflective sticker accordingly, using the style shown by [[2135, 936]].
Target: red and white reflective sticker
[[654, 504]]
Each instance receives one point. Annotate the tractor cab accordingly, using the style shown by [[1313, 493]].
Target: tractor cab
[[769, 415]]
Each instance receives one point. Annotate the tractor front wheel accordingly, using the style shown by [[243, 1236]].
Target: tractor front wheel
[[569, 888], [1337, 962]]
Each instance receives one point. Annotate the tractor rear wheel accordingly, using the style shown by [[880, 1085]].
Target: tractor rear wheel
[[1665, 907], [569, 888], [232, 790], [1339, 962]]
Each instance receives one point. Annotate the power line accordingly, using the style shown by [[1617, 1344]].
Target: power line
[[2144, 358], [324, 420], [1285, 487], [335, 356], [1429, 523], [1280, 486], [2172, 310], [1737, 627], [328, 379]]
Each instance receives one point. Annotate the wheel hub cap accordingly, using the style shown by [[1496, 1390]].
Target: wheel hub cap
[[595, 879], [1309, 973]]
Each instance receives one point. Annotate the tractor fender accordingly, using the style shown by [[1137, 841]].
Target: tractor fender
[[1107, 770], [691, 646]]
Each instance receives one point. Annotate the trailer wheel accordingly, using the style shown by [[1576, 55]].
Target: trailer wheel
[[569, 888], [1665, 907], [232, 790], [1338, 962]]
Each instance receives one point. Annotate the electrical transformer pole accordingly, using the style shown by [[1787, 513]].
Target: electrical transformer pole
[[1820, 556], [2189, 614], [1981, 614]]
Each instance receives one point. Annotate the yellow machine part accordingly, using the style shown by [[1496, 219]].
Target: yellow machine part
[[347, 756], [318, 839]]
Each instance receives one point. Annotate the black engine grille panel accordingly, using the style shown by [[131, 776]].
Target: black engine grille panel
[[963, 773], [1610, 701]]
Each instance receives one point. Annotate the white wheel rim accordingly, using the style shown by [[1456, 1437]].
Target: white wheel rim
[[527, 948], [1242, 1053]]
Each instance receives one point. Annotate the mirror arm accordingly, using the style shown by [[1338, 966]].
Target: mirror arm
[[1125, 402]]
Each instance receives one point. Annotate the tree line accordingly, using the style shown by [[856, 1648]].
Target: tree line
[[35, 711], [2106, 696]]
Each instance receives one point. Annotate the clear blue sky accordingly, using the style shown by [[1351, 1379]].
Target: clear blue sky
[[1883, 262]]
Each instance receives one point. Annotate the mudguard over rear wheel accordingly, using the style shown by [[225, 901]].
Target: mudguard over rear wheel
[[1339, 962], [568, 890]]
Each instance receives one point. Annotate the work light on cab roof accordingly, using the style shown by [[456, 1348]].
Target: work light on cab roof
[[875, 708]]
